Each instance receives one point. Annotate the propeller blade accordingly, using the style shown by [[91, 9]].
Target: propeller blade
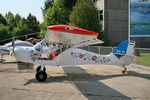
[[13, 41], [13, 45]]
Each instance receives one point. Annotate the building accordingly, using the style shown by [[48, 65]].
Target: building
[[114, 16]]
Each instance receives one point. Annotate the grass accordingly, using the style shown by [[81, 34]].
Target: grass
[[144, 59]]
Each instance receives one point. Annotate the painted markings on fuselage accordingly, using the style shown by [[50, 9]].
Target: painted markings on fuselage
[[90, 57]]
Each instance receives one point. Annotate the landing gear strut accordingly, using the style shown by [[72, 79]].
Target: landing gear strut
[[39, 68], [41, 74], [1, 59], [125, 69]]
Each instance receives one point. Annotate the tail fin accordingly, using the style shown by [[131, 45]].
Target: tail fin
[[124, 48]]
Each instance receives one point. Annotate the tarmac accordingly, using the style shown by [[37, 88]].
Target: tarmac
[[86, 82]]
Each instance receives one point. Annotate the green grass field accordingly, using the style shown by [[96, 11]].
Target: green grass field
[[144, 59]]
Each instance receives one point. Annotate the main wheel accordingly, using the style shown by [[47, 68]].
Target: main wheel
[[41, 76], [39, 68]]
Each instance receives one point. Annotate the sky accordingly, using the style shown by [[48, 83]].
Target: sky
[[23, 7]]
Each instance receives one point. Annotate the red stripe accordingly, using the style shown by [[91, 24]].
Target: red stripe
[[132, 41], [71, 29]]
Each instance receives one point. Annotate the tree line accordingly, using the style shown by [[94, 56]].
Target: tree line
[[79, 13], [15, 25]]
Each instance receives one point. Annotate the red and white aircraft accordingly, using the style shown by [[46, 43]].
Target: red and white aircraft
[[59, 48]]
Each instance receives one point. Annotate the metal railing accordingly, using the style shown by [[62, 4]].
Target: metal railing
[[96, 49], [106, 50], [16, 37]]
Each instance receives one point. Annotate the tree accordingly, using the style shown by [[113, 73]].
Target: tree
[[47, 4], [17, 19], [10, 20], [32, 23], [4, 32], [20, 29], [85, 15], [57, 14], [43, 28], [69, 3], [2, 20], [15, 25]]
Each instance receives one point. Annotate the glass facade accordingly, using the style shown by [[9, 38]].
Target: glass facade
[[140, 18]]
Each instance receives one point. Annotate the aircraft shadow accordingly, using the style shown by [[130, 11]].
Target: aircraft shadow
[[25, 66], [9, 62], [89, 85], [21, 65], [133, 73]]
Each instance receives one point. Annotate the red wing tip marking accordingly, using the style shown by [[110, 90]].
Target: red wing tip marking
[[71, 29]]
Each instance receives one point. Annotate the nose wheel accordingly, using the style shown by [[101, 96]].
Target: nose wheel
[[41, 74]]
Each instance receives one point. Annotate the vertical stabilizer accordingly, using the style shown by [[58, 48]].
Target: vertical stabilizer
[[124, 52], [124, 48]]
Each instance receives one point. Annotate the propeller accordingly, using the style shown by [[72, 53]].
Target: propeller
[[13, 46]]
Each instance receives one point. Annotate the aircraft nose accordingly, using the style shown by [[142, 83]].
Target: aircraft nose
[[18, 52], [22, 53]]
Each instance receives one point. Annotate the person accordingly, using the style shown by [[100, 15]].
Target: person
[[54, 54]]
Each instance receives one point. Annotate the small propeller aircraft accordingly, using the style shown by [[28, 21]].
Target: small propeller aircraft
[[60, 48], [7, 48]]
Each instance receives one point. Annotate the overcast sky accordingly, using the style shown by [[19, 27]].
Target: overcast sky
[[23, 7]]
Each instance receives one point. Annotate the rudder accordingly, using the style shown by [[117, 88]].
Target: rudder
[[124, 48]]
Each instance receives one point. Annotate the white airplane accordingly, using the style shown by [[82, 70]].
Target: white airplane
[[60, 48], [7, 48]]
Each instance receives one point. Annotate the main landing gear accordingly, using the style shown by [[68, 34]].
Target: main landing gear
[[41, 74], [125, 69]]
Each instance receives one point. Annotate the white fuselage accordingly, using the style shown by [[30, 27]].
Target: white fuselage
[[71, 56], [7, 48]]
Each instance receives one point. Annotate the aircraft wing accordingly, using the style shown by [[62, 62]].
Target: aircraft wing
[[71, 36], [4, 50]]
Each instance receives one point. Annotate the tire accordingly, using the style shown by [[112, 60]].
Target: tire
[[41, 76], [39, 68]]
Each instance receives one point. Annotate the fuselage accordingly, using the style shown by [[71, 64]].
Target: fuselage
[[71, 56], [60, 56], [25, 54], [7, 48]]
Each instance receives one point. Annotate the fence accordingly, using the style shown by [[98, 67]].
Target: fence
[[106, 50], [26, 36], [96, 49]]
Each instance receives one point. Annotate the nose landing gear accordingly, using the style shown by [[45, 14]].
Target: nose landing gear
[[41, 74]]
